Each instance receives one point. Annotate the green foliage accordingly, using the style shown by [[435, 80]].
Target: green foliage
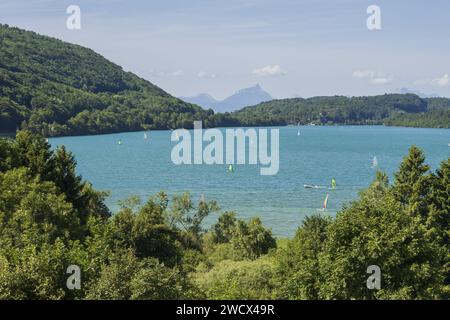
[[378, 231], [50, 218], [232, 280], [411, 184], [147, 232], [252, 239], [298, 264], [223, 229], [391, 109], [432, 119], [188, 217]]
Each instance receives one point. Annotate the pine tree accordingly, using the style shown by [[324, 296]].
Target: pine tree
[[68, 182], [412, 184], [34, 152], [438, 221]]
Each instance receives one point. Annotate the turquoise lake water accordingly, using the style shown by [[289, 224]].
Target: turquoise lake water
[[144, 167]]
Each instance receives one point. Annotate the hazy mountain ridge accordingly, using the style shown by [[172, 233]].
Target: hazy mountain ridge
[[242, 98]]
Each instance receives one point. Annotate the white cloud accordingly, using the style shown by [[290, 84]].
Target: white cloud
[[374, 77], [269, 70], [381, 80], [437, 82], [176, 73], [361, 74], [204, 74]]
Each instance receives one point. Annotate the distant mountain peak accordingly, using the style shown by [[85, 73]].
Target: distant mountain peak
[[242, 98]]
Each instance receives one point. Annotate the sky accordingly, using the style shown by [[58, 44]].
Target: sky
[[290, 47]]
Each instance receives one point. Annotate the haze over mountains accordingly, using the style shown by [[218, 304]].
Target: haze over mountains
[[419, 93], [242, 98]]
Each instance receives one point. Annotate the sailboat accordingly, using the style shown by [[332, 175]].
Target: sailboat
[[325, 203], [145, 136], [230, 168], [374, 163], [119, 142], [298, 132]]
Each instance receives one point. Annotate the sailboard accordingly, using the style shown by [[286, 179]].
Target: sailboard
[[325, 203], [333, 184]]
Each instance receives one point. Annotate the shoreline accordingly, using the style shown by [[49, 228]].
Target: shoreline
[[12, 134]]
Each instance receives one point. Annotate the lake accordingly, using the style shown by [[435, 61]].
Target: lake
[[144, 167]]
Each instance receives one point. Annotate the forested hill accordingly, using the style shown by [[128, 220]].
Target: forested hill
[[389, 109], [56, 88]]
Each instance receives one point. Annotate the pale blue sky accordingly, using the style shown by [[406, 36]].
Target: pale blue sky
[[291, 47]]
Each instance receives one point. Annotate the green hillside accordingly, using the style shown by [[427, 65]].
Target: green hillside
[[390, 109], [56, 88]]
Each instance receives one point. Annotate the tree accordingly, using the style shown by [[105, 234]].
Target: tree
[[223, 229], [146, 231], [252, 239], [184, 215], [298, 264], [378, 230], [249, 279], [411, 185], [34, 153], [438, 222], [66, 179]]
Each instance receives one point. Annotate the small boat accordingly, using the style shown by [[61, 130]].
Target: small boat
[[119, 142], [310, 186], [145, 136], [230, 168]]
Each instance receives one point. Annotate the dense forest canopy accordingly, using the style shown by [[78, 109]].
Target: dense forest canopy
[[54, 88]]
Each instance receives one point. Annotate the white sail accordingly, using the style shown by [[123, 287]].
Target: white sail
[[374, 162]]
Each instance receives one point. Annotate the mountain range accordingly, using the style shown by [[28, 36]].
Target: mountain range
[[242, 98]]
